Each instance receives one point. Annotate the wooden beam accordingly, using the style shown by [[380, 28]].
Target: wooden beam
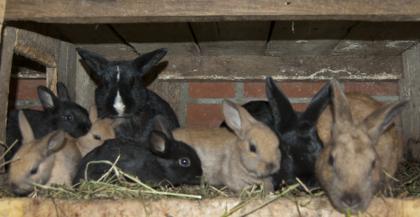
[[288, 207], [254, 67], [410, 90], [130, 11], [234, 68], [9, 41]]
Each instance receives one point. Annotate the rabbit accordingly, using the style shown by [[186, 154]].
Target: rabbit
[[121, 92], [101, 130], [161, 161], [51, 159], [300, 145], [360, 142], [59, 113], [248, 156]]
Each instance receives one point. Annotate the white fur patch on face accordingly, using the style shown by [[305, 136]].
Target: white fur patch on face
[[118, 103]]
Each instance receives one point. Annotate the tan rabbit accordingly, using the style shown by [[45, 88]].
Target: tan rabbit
[[360, 143], [248, 156], [51, 159], [101, 130]]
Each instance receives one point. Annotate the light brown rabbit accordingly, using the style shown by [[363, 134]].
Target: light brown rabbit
[[248, 156], [101, 130], [51, 159], [360, 143]]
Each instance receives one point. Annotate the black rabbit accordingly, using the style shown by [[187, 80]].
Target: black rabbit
[[299, 141], [59, 113], [121, 92], [161, 159]]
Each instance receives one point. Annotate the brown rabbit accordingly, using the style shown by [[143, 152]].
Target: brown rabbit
[[51, 159], [360, 142], [101, 130], [249, 156]]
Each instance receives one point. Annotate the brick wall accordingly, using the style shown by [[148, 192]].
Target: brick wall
[[199, 103]]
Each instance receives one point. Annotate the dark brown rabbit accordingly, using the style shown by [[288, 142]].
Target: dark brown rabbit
[[360, 143]]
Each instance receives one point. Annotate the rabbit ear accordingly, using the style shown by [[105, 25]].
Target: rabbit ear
[[146, 61], [56, 142], [47, 98], [93, 114], [283, 112], [96, 62], [25, 128], [158, 144], [237, 118], [317, 104], [62, 92], [342, 113], [380, 119], [160, 125]]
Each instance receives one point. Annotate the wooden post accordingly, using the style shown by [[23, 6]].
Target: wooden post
[[410, 90], [9, 41]]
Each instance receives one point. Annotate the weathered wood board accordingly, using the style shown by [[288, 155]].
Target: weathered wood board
[[92, 11], [285, 207]]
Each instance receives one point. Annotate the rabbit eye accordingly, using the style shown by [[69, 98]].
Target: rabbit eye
[[331, 160], [96, 137], [33, 171], [252, 148], [68, 117], [184, 162]]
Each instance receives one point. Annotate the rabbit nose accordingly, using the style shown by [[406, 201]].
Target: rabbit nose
[[351, 200]]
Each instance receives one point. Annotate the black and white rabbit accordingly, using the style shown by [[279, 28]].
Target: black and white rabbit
[[121, 92], [160, 159], [296, 131], [60, 113]]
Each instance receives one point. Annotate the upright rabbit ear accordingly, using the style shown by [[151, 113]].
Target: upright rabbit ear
[[146, 61], [47, 98], [93, 114], [317, 105], [158, 143], [56, 142], [342, 113], [283, 112], [96, 62], [237, 118], [160, 135], [25, 128], [380, 119], [62, 92]]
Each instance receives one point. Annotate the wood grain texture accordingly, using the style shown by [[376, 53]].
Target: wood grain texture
[[254, 67], [9, 41], [118, 11], [410, 90], [287, 207]]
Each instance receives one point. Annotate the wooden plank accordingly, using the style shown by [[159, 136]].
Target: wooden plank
[[36, 47], [306, 37], [385, 38], [410, 90], [176, 37], [92, 11], [251, 67], [231, 38], [288, 207], [9, 41]]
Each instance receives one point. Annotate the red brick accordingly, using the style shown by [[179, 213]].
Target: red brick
[[25, 88], [208, 115], [290, 88], [379, 88], [212, 89]]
